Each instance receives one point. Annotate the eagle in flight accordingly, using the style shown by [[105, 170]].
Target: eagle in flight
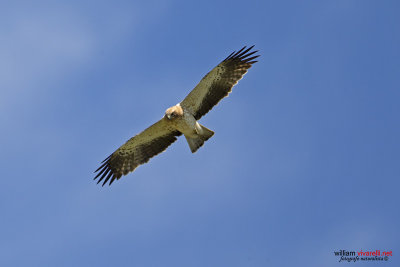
[[179, 119]]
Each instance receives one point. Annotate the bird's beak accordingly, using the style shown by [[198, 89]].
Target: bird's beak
[[168, 116]]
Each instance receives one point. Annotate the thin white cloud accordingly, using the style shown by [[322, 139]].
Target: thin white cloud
[[39, 48], [34, 48]]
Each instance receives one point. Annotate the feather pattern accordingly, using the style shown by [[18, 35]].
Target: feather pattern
[[136, 151], [218, 83]]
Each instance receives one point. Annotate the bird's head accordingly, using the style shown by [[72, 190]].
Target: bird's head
[[174, 112]]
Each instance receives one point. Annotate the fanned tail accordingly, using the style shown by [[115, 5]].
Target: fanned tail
[[203, 135]]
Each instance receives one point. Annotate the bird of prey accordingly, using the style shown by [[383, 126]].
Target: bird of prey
[[179, 119]]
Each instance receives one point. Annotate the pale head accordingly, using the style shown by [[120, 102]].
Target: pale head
[[174, 112]]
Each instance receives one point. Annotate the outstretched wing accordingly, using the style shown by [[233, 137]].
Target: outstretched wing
[[136, 151], [218, 83]]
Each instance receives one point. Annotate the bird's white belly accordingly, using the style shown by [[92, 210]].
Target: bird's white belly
[[186, 125]]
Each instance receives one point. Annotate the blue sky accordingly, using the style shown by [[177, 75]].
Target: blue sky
[[305, 159]]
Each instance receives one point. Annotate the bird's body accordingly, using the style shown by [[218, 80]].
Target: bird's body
[[179, 119], [183, 121]]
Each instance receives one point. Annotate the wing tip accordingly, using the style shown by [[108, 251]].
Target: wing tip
[[104, 171], [243, 55]]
